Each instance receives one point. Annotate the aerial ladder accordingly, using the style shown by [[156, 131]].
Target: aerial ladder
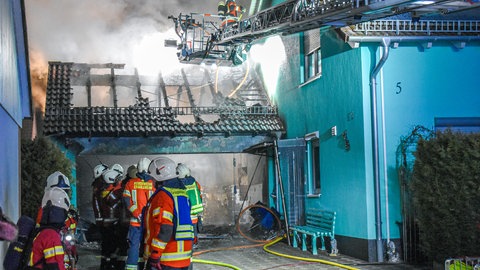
[[206, 38]]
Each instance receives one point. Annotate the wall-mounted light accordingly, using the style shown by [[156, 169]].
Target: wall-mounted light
[[311, 136], [333, 131]]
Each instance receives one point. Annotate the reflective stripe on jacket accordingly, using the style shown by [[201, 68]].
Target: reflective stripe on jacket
[[168, 228], [47, 247], [194, 194], [137, 192]]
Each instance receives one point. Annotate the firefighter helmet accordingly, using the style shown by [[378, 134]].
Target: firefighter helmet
[[182, 170], [143, 164], [57, 179], [99, 169], [55, 206], [56, 197], [162, 169], [118, 168], [110, 176]]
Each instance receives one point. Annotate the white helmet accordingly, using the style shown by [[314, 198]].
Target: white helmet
[[163, 168], [118, 168], [57, 179], [182, 170], [99, 169], [110, 176], [57, 197], [55, 205], [143, 164]]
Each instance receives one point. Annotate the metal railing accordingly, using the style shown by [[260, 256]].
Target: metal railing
[[424, 27], [162, 111]]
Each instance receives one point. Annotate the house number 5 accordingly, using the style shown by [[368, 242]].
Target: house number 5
[[399, 88]]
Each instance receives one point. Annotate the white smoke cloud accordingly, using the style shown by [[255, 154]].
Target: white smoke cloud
[[105, 31], [100, 31]]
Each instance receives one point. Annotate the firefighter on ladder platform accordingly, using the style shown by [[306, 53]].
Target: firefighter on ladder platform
[[231, 10]]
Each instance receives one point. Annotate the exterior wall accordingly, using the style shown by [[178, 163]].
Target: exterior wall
[[341, 97], [14, 106], [335, 99], [10, 172], [436, 82]]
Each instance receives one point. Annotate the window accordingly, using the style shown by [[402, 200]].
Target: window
[[458, 124], [311, 51], [313, 164]]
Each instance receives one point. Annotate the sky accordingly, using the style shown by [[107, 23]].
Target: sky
[[101, 31]]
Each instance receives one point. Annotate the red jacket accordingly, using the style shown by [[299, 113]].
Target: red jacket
[[136, 194], [47, 246]]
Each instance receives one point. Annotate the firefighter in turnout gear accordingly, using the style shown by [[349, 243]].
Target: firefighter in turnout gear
[[47, 249], [97, 186], [136, 194], [168, 227], [111, 208], [58, 180], [194, 191]]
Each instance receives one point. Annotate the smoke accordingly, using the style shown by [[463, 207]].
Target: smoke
[[38, 78], [92, 31]]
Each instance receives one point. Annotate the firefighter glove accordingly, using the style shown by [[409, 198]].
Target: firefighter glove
[[153, 264]]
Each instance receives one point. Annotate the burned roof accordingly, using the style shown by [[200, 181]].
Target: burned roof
[[151, 106]]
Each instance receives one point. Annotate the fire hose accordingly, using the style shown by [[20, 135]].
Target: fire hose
[[265, 247]]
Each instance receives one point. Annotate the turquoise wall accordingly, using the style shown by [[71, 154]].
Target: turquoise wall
[[333, 100], [419, 85], [438, 82]]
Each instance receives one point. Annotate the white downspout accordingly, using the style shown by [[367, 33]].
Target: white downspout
[[375, 150], [392, 254]]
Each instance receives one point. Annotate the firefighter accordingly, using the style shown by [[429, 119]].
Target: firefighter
[[124, 221], [194, 192], [97, 187], [61, 181], [47, 250], [111, 207], [233, 9], [168, 226], [221, 8], [136, 194]]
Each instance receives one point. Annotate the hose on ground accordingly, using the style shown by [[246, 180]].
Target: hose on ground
[[265, 247], [215, 263]]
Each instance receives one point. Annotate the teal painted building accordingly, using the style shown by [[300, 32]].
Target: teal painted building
[[420, 81]]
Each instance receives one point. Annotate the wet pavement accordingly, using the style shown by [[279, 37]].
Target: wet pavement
[[234, 250]]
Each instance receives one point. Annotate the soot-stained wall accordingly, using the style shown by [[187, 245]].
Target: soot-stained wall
[[224, 178]]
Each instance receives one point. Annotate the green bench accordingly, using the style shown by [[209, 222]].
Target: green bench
[[319, 223]]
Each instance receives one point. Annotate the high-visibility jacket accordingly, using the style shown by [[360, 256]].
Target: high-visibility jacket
[[47, 249], [194, 192], [168, 227], [137, 192]]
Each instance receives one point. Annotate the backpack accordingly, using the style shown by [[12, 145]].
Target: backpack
[[19, 251]]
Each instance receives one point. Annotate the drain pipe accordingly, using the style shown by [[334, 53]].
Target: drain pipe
[[376, 162]]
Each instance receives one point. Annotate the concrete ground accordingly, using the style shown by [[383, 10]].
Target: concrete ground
[[235, 250]]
